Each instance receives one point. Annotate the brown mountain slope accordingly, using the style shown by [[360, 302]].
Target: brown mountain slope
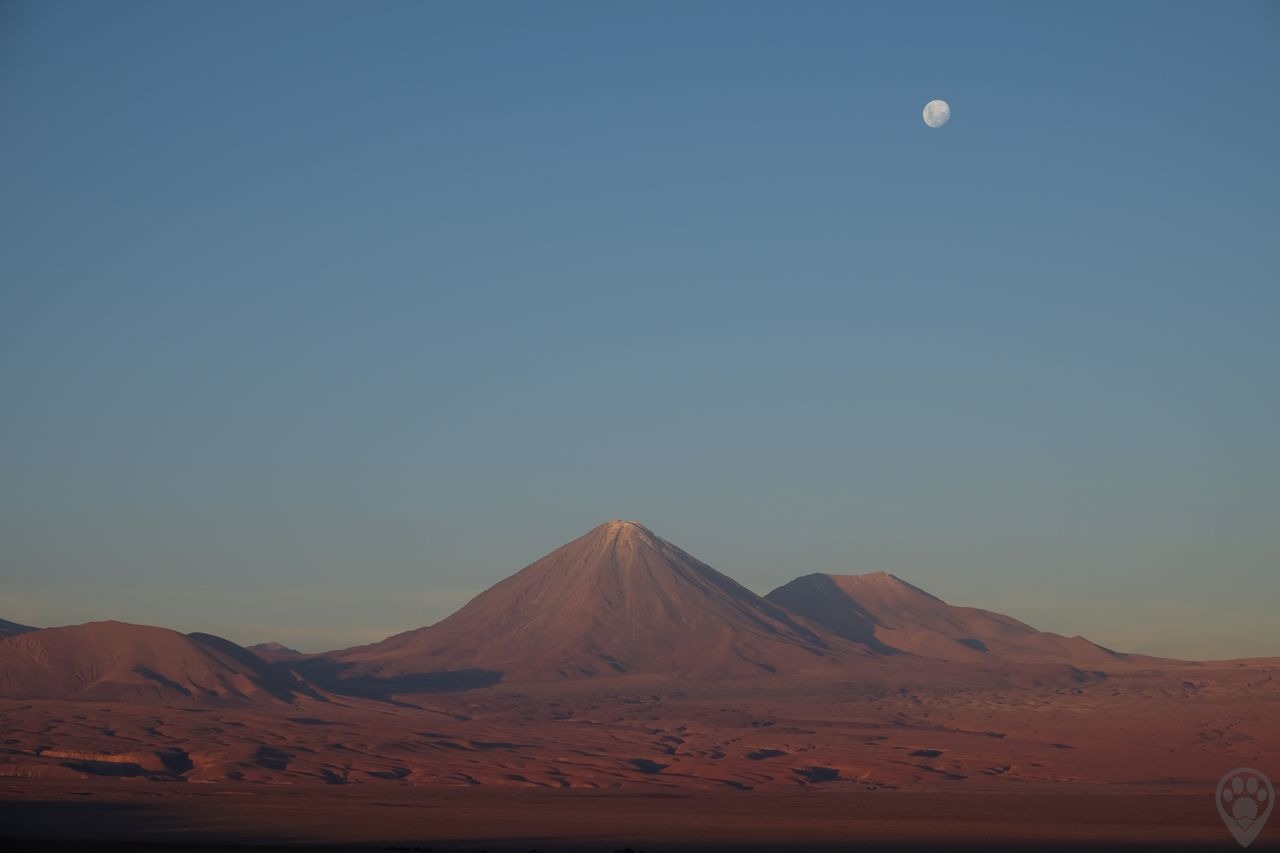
[[617, 600], [9, 629], [887, 613], [119, 662]]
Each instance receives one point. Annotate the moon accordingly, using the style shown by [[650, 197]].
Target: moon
[[937, 113]]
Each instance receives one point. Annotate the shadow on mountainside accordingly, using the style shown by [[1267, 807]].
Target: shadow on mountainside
[[276, 681], [832, 608], [334, 677]]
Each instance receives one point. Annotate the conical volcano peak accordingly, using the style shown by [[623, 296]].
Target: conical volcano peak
[[619, 599], [627, 534], [622, 527]]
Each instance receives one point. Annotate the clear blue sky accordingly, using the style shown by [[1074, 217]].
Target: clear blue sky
[[315, 319]]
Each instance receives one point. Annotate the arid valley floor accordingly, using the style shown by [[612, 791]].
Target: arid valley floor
[[1130, 759]]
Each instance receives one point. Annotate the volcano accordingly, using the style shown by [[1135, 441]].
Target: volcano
[[619, 600], [885, 613], [120, 662]]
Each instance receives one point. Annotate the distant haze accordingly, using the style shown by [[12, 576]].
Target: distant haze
[[316, 321]]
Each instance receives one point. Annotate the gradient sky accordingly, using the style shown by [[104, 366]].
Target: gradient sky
[[316, 319]]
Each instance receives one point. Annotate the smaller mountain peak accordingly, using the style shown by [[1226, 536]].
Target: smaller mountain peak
[[273, 647], [882, 583], [881, 579]]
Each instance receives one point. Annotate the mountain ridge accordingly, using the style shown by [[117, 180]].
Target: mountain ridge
[[121, 662], [619, 599], [884, 611]]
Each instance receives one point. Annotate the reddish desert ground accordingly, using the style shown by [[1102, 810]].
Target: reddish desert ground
[[620, 693]]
